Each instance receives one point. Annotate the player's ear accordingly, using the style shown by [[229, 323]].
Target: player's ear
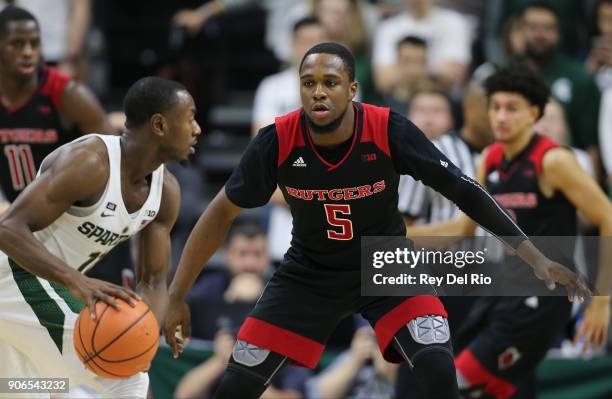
[[353, 89], [158, 124], [534, 110]]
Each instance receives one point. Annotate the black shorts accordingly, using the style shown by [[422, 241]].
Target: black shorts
[[302, 305], [504, 339]]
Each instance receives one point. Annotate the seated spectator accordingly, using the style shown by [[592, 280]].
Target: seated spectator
[[411, 73], [201, 381], [430, 111], [446, 32], [360, 372], [351, 23], [247, 260], [569, 82]]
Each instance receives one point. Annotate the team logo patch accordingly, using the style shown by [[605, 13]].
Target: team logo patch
[[111, 206], [299, 163], [44, 109], [368, 157], [508, 358], [494, 177], [444, 163]]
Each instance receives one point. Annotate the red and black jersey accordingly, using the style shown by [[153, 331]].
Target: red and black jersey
[[515, 185], [338, 195], [29, 133]]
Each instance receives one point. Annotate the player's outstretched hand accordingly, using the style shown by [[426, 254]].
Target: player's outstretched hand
[[594, 327], [552, 272], [176, 326], [89, 290]]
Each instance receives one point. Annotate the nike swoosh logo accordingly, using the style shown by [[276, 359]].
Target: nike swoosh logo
[[105, 215]]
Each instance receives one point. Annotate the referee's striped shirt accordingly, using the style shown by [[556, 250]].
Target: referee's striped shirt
[[418, 201]]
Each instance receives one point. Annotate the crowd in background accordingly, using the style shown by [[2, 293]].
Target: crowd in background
[[240, 59]]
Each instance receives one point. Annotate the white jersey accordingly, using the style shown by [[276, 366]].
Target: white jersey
[[83, 235]]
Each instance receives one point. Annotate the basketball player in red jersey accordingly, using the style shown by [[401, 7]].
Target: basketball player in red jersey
[[40, 108], [541, 183]]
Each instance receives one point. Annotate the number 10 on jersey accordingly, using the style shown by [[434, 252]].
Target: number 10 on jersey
[[343, 226]]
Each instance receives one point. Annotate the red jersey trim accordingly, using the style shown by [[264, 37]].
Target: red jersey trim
[[54, 86], [495, 157], [376, 127], [389, 324], [289, 134], [304, 351], [476, 374], [350, 150], [536, 155]]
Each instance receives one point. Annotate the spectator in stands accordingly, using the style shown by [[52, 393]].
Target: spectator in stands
[[349, 22], [247, 261], [572, 18], [281, 16], [411, 74], [599, 62], [430, 111], [569, 82], [279, 93], [201, 381], [360, 372], [448, 38]]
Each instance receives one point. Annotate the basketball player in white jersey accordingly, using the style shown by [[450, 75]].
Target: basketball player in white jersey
[[90, 195]]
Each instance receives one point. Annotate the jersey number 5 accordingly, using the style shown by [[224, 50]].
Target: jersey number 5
[[21, 165], [333, 211]]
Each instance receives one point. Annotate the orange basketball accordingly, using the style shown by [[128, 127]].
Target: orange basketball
[[119, 343]]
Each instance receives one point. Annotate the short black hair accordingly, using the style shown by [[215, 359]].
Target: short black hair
[[413, 40], [14, 13], [522, 80], [249, 229], [541, 4], [335, 49], [149, 96], [306, 21]]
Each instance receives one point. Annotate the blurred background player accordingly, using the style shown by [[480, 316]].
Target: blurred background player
[[504, 338], [41, 107], [90, 195]]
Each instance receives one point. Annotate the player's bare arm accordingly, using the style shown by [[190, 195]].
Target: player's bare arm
[[74, 174], [155, 245], [561, 171], [81, 108], [206, 237]]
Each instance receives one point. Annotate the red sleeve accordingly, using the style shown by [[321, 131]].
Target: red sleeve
[[495, 157], [54, 86], [375, 127], [289, 134]]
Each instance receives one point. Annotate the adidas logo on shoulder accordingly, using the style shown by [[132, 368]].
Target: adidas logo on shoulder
[[299, 163]]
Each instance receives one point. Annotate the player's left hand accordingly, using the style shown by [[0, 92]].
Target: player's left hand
[[552, 272], [594, 328]]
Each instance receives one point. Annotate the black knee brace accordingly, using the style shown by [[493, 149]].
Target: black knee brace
[[249, 371]]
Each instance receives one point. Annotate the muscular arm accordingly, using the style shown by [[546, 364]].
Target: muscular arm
[[154, 257], [206, 237], [80, 108], [562, 171], [77, 172]]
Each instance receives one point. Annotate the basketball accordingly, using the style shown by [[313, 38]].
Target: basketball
[[120, 343]]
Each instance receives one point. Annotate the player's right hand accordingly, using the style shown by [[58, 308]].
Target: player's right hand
[[552, 272], [89, 290], [176, 326]]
